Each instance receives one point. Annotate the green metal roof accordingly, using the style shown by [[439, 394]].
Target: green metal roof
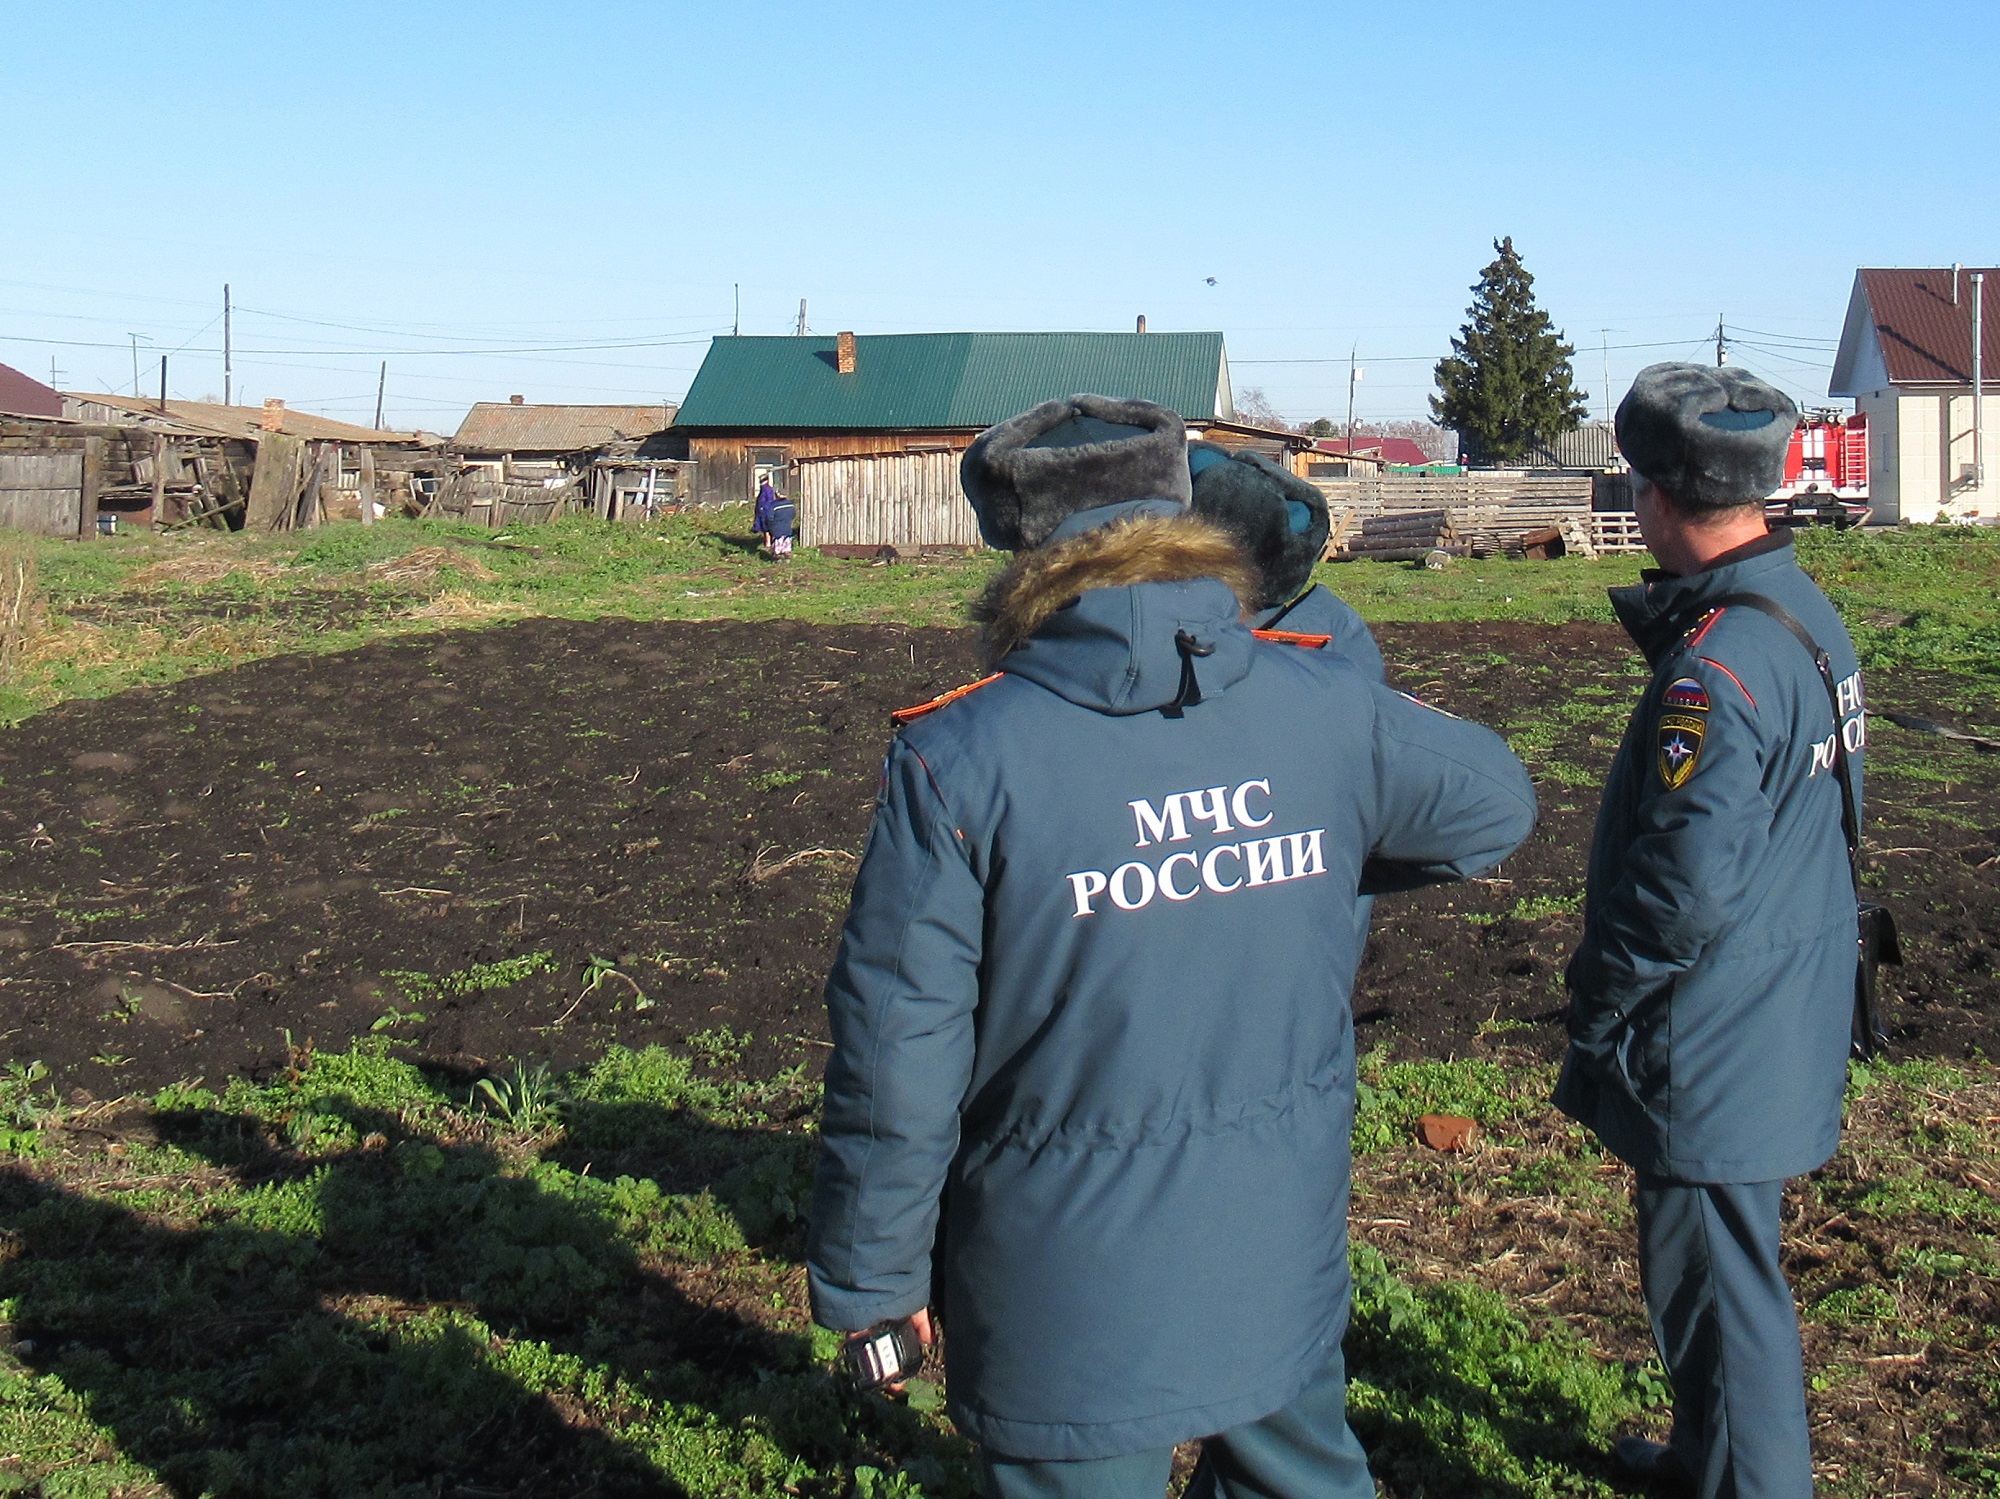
[[946, 380]]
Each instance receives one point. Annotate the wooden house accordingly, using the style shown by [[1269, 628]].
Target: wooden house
[[785, 408]]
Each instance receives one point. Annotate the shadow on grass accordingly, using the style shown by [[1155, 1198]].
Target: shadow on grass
[[407, 1318], [1451, 1393]]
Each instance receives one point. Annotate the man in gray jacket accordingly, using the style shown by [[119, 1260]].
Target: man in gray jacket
[[1093, 1077], [1711, 1000]]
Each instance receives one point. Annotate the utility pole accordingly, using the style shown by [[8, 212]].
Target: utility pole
[[1353, 374], [1604, 351], [55, 375], [736, 327], [226, 366], [135, 364], [381, 384], [163, 382], [1721, 350], [802, 317], [1978, 385]]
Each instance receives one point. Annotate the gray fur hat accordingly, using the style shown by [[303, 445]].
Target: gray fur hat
[[1030, 473], [1278, 519], [1711, 438]]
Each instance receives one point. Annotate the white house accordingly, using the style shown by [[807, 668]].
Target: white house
[[1906, 360]]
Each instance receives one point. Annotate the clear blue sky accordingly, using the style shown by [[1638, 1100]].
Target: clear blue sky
[[426, 180]]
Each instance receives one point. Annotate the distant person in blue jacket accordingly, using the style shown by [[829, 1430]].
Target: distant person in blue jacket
[[774, 520], [1712, 998], [1093, 1077]]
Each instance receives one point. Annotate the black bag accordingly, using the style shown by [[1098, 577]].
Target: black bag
[[1876, 942]]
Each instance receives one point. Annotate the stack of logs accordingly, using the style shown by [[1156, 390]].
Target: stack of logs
[[1409, 536]]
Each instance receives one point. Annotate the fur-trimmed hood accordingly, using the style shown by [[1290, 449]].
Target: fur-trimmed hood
[[1095, 616]]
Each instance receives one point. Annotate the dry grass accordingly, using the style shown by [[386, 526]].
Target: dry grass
[[423, 564], [79, 646], [457, 606], [22, 614], [198, 568], [763, 868]]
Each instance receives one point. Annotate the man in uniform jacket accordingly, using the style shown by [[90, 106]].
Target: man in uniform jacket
[[1711, 1000], [1280, 522], [1093, 1076]]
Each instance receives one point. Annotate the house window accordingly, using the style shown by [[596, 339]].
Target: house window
[[1326, 471]]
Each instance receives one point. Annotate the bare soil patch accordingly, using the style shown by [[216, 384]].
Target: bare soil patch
[[451, 840]]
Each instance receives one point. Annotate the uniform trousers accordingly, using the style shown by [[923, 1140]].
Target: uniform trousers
[[1727, 1331], [1304, 1451]]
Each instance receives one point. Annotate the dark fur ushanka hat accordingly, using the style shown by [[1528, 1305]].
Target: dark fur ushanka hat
[[1711, 438], [1277, 518], [1030, 473]]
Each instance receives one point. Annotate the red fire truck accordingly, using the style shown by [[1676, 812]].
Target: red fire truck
[[1826, 473]]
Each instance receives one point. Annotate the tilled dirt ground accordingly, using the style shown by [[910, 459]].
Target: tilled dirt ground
[[447, 840]]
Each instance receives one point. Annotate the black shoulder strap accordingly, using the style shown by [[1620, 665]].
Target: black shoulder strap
[[1850, 822]]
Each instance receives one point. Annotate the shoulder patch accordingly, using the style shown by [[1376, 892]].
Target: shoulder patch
[[1293, 637], [1679, 731], [910, 715], [1686, 693]]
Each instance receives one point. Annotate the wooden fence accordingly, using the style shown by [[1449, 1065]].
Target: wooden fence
[[1611, 532], [907, 501]]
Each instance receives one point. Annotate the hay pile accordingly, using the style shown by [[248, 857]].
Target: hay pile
[[424, 564], [200, 568]]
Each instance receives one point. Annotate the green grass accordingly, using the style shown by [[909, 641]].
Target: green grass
[[1923, 596], [365, 1278]]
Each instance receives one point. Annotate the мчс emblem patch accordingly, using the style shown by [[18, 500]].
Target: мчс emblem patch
[[1678, 735]]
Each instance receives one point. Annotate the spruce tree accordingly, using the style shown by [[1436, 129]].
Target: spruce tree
[[1507, 386]]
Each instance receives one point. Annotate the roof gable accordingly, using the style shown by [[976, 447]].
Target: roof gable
[[1905, 328], [945, 381]]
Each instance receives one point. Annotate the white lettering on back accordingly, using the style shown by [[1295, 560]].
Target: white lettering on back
[[1156, 824], [1167, 886], [1238, 804], [1121, 897]]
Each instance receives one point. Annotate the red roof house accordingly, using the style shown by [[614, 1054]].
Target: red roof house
[[1906, 360], [23, 395]]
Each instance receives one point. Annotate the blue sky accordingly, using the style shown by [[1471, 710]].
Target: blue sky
[[474, 192]]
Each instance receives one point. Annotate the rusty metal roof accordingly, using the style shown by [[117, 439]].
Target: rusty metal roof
[[24, 395], [1904, 327], [503, 427], [946, 381], [218, 420]]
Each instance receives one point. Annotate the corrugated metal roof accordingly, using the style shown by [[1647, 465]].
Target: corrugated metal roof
[[503, 427], [1924, 336], [240, 421], [932, 381]]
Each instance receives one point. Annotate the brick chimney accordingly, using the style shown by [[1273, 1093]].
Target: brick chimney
[[517, 400], [843, 353], [1142, 324], [273, 419]]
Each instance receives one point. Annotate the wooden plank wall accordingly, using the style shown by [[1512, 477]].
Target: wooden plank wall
[[904, 500], [724, 472], [42, 492]]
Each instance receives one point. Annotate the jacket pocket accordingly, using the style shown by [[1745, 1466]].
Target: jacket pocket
[[1645, 1048]]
